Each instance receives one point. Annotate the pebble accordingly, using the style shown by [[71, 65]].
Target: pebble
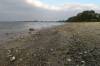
[[21, 59], [16, 50], [34, 54], [31, 29], [85, 52], [51, 49], [77, 65], [69, 60], [13, 58], [28, 54], [42, 48], [78, 32], [22, 37], [83, 61], [80, 53], [9, 51], [33, 39]]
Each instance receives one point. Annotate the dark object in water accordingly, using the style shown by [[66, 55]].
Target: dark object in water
[[31, 29]]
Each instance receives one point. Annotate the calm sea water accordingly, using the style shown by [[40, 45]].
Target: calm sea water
[[14, 28], [6, 27]]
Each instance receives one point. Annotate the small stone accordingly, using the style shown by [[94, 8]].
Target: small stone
[[21, 37], [52, 49], [33, 39], [31, 29], [16, 50], [9, 51], [77, 65], [6, 33], [80, 53], [34, 33], [27, 54], [34, 54], [83, 61], [69, 60], [13, 58], [85, 52], [21, 59], [78, 32], [42, 48]]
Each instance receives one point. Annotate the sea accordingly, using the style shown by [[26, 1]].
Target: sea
[[9, 29], [22, 26]]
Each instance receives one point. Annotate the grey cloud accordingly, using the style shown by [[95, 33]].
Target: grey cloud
[[12, 10]]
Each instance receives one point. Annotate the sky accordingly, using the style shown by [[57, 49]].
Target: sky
[[45, 10]]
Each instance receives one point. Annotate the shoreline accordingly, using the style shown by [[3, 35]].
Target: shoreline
[[56, 46], [11, 36], [4, 37]]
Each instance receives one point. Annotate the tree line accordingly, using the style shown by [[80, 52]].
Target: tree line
[[85, 16]]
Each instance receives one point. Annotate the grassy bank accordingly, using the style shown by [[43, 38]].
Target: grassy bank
[[72, 44]]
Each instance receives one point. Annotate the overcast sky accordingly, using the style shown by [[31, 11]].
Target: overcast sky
[[16, 10]]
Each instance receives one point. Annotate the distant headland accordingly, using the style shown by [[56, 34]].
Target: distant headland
[[85, 16]]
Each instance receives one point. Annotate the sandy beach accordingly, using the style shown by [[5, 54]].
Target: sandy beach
[[58, 46]]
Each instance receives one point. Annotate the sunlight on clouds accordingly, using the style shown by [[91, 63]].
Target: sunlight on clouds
[[35, 3], [38, 3], [80, 6]]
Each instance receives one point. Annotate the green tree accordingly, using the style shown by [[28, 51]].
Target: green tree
[[85, 16]]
